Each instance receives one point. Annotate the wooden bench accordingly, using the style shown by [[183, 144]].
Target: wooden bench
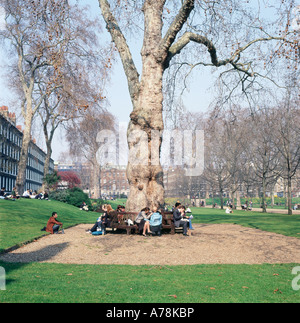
[[118, 221], [168, 223]]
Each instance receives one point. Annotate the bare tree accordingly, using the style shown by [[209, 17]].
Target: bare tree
[[216, 170], [83, 144], [169, 29], [287, 141], [265, 157], [68, 102], [225, 145], [42, 35], [29, 30]]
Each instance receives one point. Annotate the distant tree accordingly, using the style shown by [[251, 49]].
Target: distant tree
[[71, 178], [50, 181], [82, 135], [43, 37], [287, 141]]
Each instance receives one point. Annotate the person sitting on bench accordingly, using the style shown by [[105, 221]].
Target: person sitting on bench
[[142, 220], [120, 210], [103, 220], [97, 226], [156, 222], [178, 219]]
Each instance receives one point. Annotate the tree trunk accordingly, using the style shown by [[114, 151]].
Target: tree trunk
[[95, 179], [21, 177], [221, 198], [238, 199], [233, 199], [285, 193], [144, 172], [45, 186], [263, 200], [289, 197]]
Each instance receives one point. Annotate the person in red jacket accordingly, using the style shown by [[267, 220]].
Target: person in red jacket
[[53, 225]]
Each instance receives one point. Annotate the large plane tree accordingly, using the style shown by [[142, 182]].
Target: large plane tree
[[236, 37]]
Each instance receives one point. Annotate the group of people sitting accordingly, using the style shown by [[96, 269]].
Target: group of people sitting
[[14, 195], [8, 196], [149, 222], [29, 194], [3, 195]]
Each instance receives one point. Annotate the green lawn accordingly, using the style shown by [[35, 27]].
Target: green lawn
[[279, 202], [279, 223], [37, 283], [21, 221]]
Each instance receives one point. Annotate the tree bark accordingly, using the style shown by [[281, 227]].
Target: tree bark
[[146, 176], [290, 206], [144, 171], [45, 186], [21, 177], [263, 199], [95, 186], [221, 192]]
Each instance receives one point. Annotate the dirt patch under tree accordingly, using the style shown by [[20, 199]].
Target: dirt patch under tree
[[208, 244]]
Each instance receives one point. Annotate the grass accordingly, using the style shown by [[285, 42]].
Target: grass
[[277, 223], [53, 283], [279, 202], [22, 220]]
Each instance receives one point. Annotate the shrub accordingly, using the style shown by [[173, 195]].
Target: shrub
[[74, 196], [60, 196]]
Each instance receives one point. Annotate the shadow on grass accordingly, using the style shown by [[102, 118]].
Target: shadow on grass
[[14, 262]]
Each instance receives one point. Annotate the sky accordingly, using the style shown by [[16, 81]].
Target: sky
[[197, 98]]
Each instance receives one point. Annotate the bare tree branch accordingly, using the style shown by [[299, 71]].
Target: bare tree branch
[[233, 60], [121, 44], [176, 26]]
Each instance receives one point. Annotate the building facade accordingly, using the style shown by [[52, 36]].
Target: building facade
[[114, 182], [11, 137]]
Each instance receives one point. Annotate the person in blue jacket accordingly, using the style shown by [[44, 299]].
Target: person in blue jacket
[[156, 222]]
